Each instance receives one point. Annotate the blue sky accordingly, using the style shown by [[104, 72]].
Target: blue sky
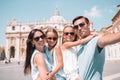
[[99, 12]]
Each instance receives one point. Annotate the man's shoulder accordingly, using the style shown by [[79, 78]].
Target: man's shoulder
[[96, 38]]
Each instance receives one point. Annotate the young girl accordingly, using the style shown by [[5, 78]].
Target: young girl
[[35, 62], [54, 54], [69, 51]]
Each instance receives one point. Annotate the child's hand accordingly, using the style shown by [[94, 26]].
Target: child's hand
[[94, 33]]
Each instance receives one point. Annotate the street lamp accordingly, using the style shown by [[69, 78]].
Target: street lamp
[[19, 44]]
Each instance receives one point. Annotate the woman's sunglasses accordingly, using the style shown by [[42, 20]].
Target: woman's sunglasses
[[39, 37], [79, 25], [52, 38], [67, 33]]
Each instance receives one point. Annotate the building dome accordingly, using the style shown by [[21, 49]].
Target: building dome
[[56, 18]]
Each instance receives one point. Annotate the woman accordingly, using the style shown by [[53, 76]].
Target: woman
[[69, 50], [54, 54], [35, 62]]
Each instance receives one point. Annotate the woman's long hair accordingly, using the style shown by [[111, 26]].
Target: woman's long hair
[[29, 50]]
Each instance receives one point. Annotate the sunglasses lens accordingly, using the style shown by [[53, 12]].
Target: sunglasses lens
[[42, 36], [71, 33], [81, 24], [66, 33], [75, 27], [37, 38], [52, 38]]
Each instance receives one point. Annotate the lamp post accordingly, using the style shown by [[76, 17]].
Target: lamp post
[[19, 44]]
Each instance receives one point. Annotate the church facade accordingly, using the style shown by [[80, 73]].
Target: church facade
[[17, 32]]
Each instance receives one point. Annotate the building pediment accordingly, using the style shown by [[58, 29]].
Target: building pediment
[[14, 22]]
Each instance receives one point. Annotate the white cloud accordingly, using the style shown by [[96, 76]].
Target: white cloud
[[94, 12], [108, 10]]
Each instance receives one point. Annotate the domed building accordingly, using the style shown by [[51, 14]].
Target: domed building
[[17, 32], [56, 21]]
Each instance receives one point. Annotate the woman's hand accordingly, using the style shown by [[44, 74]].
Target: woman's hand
[[51, 77]]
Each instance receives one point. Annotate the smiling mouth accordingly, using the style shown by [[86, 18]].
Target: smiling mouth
[[41, 44]]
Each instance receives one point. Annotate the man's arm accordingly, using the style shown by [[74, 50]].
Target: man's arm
[[108, 39]]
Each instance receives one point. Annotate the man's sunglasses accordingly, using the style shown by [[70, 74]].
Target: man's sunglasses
[[52, 38], [67, 33], [39, 37], [79, 25]]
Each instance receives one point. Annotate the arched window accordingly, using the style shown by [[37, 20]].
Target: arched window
[[12, 52], [13, 27]]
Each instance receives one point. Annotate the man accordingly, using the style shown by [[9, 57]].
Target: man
[[91, 56]]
